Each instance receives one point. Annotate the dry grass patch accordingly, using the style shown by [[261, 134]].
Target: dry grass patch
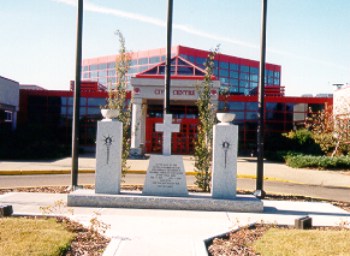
[[21, 236], [286, 242]]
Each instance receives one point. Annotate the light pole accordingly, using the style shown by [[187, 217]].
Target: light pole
[[76, 102], [168, 58], [259, 192]]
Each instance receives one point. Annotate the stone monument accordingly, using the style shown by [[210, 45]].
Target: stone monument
[[108, 156], [166, 174], [225, 145], [165, 184]]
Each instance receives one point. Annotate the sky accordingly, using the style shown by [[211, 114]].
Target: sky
[[310, 39]]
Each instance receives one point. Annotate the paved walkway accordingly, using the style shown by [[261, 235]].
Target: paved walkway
[[142, 232], [167, 232]]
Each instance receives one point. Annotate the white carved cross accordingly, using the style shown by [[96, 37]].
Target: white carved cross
[[167, 127]]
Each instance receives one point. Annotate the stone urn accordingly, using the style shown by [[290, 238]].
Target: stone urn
[[225, 118], [109, 114]]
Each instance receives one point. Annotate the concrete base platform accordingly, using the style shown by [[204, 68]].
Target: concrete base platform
[[135, 199]]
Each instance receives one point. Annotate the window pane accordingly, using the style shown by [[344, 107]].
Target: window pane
[[93, 67], [234, 66], [97, 101], [103, 66], [154, 59], [224, 65], [236, 105], [223, 72], [111, 65], [252, 105], [143, 61], [244, 76], [244, 68], [254, 70], [233, 74], [254, 78]]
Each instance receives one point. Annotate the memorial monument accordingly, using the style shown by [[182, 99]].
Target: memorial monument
[[166, 173], [165, 182]]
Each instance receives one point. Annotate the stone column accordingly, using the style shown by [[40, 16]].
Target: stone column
[[136, 124], [225, 145], [108, 156]]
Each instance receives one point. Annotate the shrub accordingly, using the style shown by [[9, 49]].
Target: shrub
[[302, 140], [319, 162]]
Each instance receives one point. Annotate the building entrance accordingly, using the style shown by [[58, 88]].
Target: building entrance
[[182, 142]]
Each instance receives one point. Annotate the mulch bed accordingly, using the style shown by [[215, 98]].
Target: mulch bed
[[240, 242], [87, 241], [90, 242]]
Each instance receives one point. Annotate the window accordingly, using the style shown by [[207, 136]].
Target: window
[[93, 74], [254, 70], [244, 68], [233, 82], [254, 78], [223, 80], [252, 106], [200, 62], [244, 76], [111, 65], [102, 73], [103, 66], [111, 72], [244, 84], [102, 80], [154, 59], [233, 74], [235, 105], [8, 116], [143, 61], [223, 72], [234, 66], [93, 67], [224, 65], [253, 85]]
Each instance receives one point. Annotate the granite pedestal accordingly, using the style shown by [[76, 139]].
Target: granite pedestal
[[224, 177], [194, 201], [108, 156]]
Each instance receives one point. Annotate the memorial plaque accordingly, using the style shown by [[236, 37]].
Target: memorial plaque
[[165, 177]]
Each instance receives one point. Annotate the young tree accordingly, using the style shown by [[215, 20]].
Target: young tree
[[206, 116], [330, 132], [321, 125], [119, 94]]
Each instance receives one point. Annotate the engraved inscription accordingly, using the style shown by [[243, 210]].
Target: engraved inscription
[[165, 175]]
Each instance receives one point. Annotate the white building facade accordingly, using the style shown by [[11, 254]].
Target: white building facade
[[9, 103]]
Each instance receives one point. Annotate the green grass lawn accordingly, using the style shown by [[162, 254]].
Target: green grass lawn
[[21, 236], [303, 242]]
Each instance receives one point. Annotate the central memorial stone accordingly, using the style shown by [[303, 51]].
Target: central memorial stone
[[166, 173]]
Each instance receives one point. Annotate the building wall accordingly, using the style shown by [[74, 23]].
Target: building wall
[[238, 76], [9, 102], [341, 105]]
